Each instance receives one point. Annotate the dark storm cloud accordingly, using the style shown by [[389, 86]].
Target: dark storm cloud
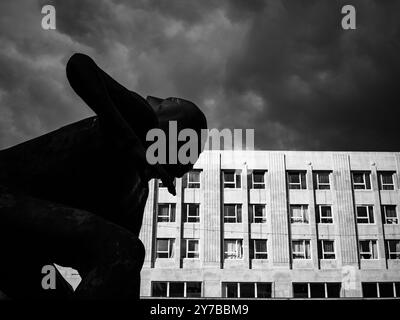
[[285, 68]]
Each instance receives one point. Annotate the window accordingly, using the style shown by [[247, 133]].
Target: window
[[246, 290], [301, 249], [389, 214], [299, 213], [361, 180], [257, 213], [393, 249], [161, 184], [191, 212], [321, 180], [368, 249], [232, 179], [193, 179], [326, 249], [233, 249], [365, 214], [316, 290], [166, 212], [175, 289], [165, 248], [232, 213], [259, 249], [191, 248], [297, 180], [258, 180], [193, 289], [381, 289], [386, 181], [324, 214]]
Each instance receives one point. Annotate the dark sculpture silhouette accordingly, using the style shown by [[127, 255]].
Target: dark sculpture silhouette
[[76, 196]]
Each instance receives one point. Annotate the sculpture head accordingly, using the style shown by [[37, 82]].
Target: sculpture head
[[187, 116]]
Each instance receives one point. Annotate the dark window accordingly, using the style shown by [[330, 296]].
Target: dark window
[[361, 180], [232, 213], [193, 289], [297, 180], [159, 289], [247, 290], [176, 289], [369, 290], [333, 289], [300, 290], [264, 290], [317, 290], [231, 290], [321, 180], [258, 180], [386, 181], [232, 179], [193, 179], [386, 290], [192, 212], [365, 214]]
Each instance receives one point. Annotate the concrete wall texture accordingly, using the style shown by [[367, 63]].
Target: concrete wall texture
[[352, 262]]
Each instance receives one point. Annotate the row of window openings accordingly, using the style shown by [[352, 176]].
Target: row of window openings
[[301, 249], [193, 289], [298, 213], [296, 180]]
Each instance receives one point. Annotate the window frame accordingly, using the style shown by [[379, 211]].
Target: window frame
[[322, 185], [320, 218], [252, 209], [171, 213], [238, 213], [170, 252], [371, 243], [237, 179], [193, 184], [302, 180], [187, 251], [309, 293], [305, 217], [261, 185], [187, 211], [255, 253], [238, 249], [306, 243], [322, 253], [185, 288], [384, 213], [366, 184], [238, 289], [389, 186], [388, 251], [396, 293], [370, 214]]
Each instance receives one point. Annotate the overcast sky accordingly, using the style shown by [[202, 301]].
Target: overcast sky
[[285, 68]]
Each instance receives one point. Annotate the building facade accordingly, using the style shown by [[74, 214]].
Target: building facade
[[276, 224]]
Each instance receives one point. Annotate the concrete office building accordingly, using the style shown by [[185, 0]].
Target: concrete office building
[[276, 224]]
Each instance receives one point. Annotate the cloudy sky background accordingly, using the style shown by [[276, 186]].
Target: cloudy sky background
[[285, 68]]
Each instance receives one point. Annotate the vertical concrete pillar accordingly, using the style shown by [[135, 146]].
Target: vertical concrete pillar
[[148, 230], [378, 216], [245, 217], [279, 214], [179, 223], [397, 160], [210, 210], [311, 211], [343, 195]]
